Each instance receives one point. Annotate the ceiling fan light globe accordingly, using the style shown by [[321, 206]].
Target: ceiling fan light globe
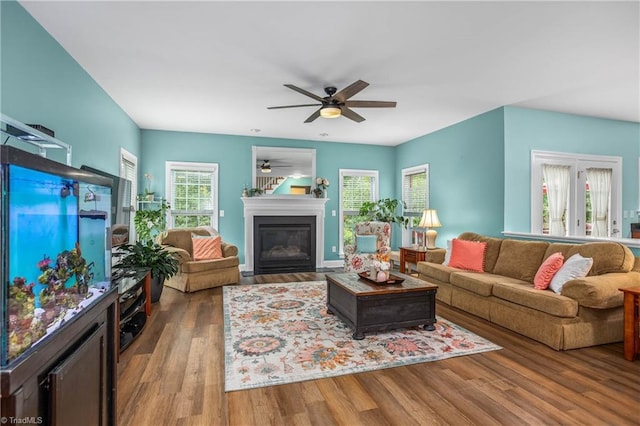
[[330, 112]]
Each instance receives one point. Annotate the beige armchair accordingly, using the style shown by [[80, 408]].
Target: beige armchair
[[194, 275]]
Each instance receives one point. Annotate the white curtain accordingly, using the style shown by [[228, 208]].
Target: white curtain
[[557, 180], [600, 190]]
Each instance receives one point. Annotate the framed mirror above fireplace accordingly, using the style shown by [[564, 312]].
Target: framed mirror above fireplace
[[284, 171]]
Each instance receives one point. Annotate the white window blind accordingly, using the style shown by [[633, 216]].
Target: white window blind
[[415, 188], [128, 170], [357, 190]]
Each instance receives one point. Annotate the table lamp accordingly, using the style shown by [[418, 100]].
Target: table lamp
[[430, 220]]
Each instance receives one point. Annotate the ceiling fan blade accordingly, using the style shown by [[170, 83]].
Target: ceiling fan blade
[[370, 104], [352, 115], [350, 90], [304, 92], [313, 116], [293, 106]]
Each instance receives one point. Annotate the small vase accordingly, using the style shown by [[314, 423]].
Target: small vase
[[150, 196], [372, 272]]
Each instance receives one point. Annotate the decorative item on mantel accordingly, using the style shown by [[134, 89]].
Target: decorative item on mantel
[[321, 186], [245, 191], [148, 193]]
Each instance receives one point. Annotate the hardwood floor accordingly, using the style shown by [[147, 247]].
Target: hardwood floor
[[173, 374]]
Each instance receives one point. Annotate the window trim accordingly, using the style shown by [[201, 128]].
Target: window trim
[[406, 233], [578, 163], [192, 166], [376, 191]]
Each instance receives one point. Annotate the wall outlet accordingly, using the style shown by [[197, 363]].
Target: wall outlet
[[333, 212], [221, 213], [333, 249]]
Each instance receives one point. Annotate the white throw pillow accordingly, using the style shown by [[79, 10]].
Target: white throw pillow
[[574, 267], [447, 254]]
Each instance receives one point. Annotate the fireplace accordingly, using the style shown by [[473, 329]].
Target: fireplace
[[284, 244]]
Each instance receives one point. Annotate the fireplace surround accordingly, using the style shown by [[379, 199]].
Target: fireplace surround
[[284, 244], [282, 205]]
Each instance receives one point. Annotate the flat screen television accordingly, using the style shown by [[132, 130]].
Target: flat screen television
[[120, 206]]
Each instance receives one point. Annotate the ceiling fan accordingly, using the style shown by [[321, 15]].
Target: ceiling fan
[[337, 103], [266, 165]]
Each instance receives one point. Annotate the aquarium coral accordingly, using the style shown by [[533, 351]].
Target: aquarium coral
[[26, 327], [68, 264]]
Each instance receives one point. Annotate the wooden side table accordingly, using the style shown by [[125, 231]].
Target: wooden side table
[[631, 322], [411, 255]]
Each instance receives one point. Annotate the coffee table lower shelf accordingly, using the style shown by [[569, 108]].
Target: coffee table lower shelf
[[367, 308]]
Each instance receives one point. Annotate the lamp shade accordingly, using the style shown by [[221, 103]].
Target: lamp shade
[[429, 219], [330, 112]]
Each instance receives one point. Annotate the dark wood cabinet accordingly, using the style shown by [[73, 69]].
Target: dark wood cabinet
[[71, 378], [134, 305]]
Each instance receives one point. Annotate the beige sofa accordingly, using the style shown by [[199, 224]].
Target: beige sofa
[[587, 312], [199, 275]]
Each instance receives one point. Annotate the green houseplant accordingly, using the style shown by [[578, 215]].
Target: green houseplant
[[147, 254], [150, 222], [384, 210]]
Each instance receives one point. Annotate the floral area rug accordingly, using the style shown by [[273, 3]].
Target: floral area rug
[[281, 333]]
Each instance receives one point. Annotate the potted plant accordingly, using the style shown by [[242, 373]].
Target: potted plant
[[384, 210], [162, 263], [150, 222]]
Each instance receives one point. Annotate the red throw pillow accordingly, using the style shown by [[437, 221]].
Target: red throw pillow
[[468, 255], [547, 270], [207, 248]]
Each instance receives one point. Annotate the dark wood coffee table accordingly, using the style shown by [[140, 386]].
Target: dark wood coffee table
[[370, 307]]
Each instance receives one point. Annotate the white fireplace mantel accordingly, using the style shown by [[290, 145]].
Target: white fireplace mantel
[[282, 205]]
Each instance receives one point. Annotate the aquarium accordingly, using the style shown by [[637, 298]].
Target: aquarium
[[55, 244]]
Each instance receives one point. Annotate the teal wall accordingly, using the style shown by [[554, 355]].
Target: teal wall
[[527, 129], [466, 174], [233, 154], [41, 83], [479, 168]]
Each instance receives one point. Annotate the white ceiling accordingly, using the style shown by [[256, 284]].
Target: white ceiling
[[215, 66]]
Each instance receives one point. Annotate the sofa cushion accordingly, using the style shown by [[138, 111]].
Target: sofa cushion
[[493, 248], [479, 283], [435, 271], [607, 256], [209, 265], [467, 255], [575, 267], [520, 259], [547, 271], [205, 248], [544, 301], [181, 237]]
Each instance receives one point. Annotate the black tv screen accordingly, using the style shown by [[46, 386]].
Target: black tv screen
[[120, 206]]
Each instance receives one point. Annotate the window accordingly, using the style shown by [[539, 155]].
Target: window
[[192, 193], [415, 194], [356, 187], [129, 170], [575, 194]]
